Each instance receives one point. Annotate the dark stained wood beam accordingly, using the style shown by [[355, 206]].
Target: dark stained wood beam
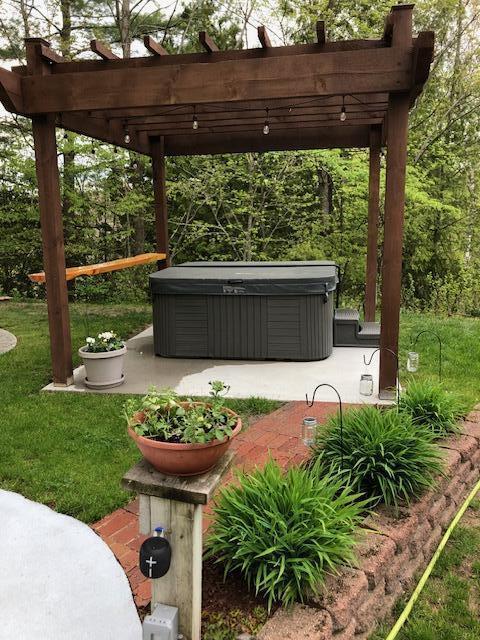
[[298, 139], [53, 248], [397, 135], [423, 52], [50, 55], [102, 50], [207, 43], [11, 91], [375, 101], [154, 47], [373, 221], [264, 37], [284, 114], [81, 66], [320, 74], [276, 124], [321, 36], [157, 151], [111, 132]]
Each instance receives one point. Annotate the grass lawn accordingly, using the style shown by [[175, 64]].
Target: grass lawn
[[449, 605], [70, 450], [461, 352]]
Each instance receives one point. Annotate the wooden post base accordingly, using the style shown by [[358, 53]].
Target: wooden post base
[[177, 505]]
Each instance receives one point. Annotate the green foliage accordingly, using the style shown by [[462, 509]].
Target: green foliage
[[283, 531], [54, 443], [385, 457], [431, 407], [105, 341], [161, 416]]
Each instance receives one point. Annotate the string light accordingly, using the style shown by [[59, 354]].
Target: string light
[[127, 136], [134, 165], [266, 126], [194, 120], [343, 113]]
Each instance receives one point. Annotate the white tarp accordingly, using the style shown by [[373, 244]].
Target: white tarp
[[58, 579]]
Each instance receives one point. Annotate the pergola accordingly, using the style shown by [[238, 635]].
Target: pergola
[[345, 94]]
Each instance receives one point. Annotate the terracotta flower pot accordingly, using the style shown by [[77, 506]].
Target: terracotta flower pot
[[103, 369], [179, 459]]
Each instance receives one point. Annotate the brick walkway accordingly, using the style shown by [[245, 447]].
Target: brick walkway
[[277, 435]]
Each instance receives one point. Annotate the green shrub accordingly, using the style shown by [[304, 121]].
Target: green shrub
[[385, 457], [430, 406], [283, 531]]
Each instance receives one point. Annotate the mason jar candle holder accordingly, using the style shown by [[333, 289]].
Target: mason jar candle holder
[[309, 431], [366, 384], [413, 360]]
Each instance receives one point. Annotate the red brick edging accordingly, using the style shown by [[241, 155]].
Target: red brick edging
[[353, 602]]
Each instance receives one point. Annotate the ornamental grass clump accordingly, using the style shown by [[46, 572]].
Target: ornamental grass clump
[[385, 456], [283, 530], [431, 407]]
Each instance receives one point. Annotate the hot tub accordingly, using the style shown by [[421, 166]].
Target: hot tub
[[248, 311]]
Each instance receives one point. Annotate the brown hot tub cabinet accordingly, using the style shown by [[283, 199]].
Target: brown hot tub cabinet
[[248, 311]]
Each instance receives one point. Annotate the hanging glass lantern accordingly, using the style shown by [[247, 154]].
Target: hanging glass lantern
[[309, 431], [412, 361], [366, 384]]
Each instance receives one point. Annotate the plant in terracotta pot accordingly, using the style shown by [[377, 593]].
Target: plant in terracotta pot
[[182, 438], [103, 358]]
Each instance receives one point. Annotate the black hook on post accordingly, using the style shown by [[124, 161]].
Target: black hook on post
[[396, 360], [310, 404], [439, 348]]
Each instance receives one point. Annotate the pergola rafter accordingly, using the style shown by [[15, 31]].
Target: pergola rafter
[[150, 104]]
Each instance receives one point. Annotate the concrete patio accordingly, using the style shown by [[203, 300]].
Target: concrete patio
[[284, 381]]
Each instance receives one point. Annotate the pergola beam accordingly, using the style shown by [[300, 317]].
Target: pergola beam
[[321, 35], [53, 248], [11, 91], [207, 43], [104, 130], [320, 74], [284, 114], [102, 50], [263, 37], [157, 151], [154, 47], [373, 220], [255, 127], [296, 139], [397, 136], [375, 101]]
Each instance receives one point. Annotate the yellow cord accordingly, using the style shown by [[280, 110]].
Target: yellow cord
[[405, 613]]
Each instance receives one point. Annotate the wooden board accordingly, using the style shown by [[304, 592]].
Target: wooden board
[[103, 267], [144, 479]]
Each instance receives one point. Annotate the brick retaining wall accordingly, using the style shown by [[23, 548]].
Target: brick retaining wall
[[353, 602]]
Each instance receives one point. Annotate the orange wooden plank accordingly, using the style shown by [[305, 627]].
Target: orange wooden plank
[[103, 267]]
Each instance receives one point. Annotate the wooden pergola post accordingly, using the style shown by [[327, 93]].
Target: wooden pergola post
[[397, 136], [50, 206], [373, 217], [157, 150]]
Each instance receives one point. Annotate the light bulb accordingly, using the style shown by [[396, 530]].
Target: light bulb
[[127, 137], [195, 123], [343, 115], [134, 165], [266, 128]]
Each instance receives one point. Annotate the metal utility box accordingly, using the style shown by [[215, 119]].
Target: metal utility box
[[248, 311]]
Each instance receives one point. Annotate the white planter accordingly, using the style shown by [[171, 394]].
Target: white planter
[[104, 369]]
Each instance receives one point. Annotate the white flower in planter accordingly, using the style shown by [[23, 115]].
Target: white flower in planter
[[90, 340]]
